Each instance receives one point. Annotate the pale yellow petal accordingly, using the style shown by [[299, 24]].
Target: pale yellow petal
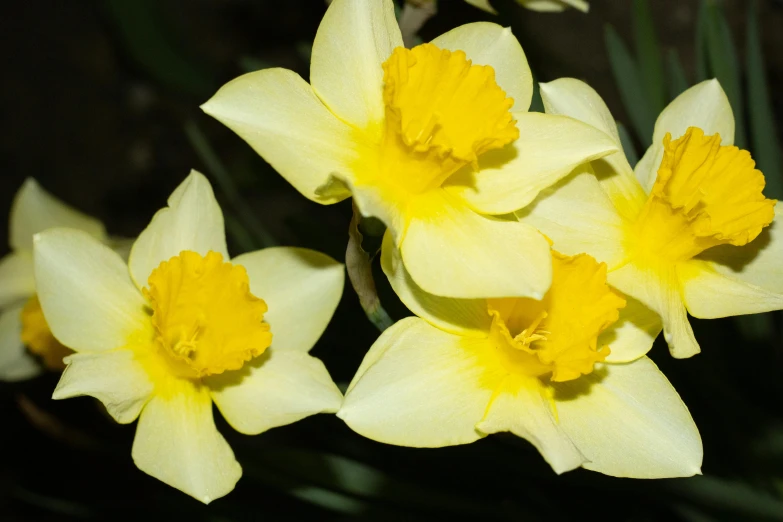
[[177, 442], [554, 6], [301, 288], [192, 221], [355, 37], [113, 377], [35, 210], [86, 292], [633, 334], [452, 251], [17, 277], [277, 113], [16, 363], [549, 147], [486, 43], [628, 421], [280, 387], [482, 4], [420, 387], [525, 408]]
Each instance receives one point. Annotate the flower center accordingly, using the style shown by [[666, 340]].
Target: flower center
[[442, 112], [203, 313], [559, 334], [705, 195], [38, 338]]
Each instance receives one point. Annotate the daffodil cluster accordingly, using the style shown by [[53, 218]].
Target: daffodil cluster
[[539, 265]]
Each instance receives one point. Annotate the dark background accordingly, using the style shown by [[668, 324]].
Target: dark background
[[95, 99]]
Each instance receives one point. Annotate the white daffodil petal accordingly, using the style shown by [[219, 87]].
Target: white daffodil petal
[[278, 388], [422, 388], [661, 292], [192, 221], [486, 43], [301, 288], [554, 6], [482, 4], [16, 363], [35, 210], [523, 409], [113, 377], [629, 421], [633, 334], [450, 250], [578, 217], [17, 277], [548, 148], [465, 317], [177, 442], [85, 291], [355, 37], [277, 113]]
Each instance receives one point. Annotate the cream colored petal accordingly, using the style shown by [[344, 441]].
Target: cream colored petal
[[482, 4], [704, 105], [525, 408], [548, 148], [85, 291], [574, 98], [578, 216], [177, 442], [301, 288], [465, 317], [16, 363], [280, 387], [486, 43], [355, 37], [420, 387], [554, 6], [113, 377], [629, 421], [277, 113], [633, 334], [661, 291], [192, 221], [17, 277], [452, 251], [35, 210]]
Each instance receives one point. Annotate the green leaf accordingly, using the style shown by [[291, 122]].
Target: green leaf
[[764, 135], [648, 55], [628, 147], [730, 496], [677, 82], [701, 43]]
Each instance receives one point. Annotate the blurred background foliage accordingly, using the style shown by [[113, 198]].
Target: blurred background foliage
[[100, 104]]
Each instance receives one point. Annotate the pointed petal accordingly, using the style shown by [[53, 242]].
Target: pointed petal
[[452, 251], [525, 409], [420, 387], [464, 317], [17, 278], [85, 291], [355, 37], [660, 291], [177, 442], [579, 218], [629, 421], [486, 43], [192, 221], [113, 377], [16, 363], [704, 106], [301, 288], [554, 6], [482, 4], [35, 210], [548, 148], [633, 334], [277, 113], [280, 387]]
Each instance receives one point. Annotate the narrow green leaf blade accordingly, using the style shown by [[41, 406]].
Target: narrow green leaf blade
[[628, 147], [648, 54], [677, 82]]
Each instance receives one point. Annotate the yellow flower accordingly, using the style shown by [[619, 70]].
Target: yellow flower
[[181, 326], [543, 370], [436, 141], [546, 6], [22, 327], [687, 231]]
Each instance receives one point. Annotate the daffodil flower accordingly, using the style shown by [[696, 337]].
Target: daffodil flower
[[544, 6], [436, 141], [544, 370], [27, 346], [687, 231], [181, 326]]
